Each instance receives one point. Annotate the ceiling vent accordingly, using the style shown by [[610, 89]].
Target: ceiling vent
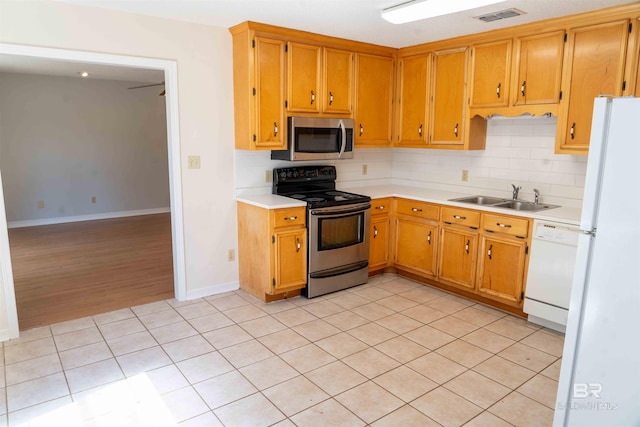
[[503, 14]]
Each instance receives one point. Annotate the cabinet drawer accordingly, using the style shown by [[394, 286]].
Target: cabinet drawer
[[380, 206], [506, 224], [288, 217], [461, 216], [417, 209]]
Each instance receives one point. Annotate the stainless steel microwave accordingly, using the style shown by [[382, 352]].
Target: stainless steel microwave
[[317, 138]]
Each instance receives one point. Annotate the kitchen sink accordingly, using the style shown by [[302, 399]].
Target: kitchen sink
[[496, 202], [479, 200]]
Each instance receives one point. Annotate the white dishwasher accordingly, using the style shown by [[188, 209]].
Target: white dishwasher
[[553, 255]]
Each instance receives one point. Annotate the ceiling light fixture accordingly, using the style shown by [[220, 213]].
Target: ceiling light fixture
[[83, 74], [416, 10]]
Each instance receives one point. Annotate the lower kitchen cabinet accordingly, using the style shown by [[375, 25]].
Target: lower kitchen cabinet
[[416, 243], [501, 269], [379, 234], [458, 253], [272, 250]]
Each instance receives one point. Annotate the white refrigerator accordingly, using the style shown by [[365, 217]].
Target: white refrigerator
[[600, 375]]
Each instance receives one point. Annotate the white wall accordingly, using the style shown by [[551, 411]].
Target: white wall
[[64, 140]]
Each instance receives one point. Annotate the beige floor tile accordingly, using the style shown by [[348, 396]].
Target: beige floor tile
[[210, 322], [160, 318], [371, 362], [32, 369], [477, 389], [28, 350], [424, 314], [54, 412], [85, 355], [464, 353], [78, 338], [154, 307], [130, 343], [167, 379], [224, 389], [203, 367], [397, 303], [372, 333], [553, 371], [521, 411], [187, 348], [294, 317], [227, 336], [208, 419], [422, 294], [429, 337], [268, 372], [372, 311], [30, 335], [175, 303], [246, 353], [121, 328], [399, 323], [487, 419], [184, 403], [72, 325], [199, 309], [143, 360], [244, 313], [454, 326], [3, 382], [113, 316], [446, 407], [36, 391], [372, 293], [316, 330], [276, 306], [407, 416], [488, 340], [349, 300], [335, 378], [446, 304], [369, 401], [254, 411], [283, 341], [346, 320], [93, 375], [262, 326], [405, 383], [402, 349], [173, 332], [545, 340], [513, 328], [398, 285], [341, 345], [307, 358], [437, 368], [528, 357], [477, 317], [504, 371], [295, 395], [227, 302], [3, 401], [327, 413], [541, 389], [323, 308]]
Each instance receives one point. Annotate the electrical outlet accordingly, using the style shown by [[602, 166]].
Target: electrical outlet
[[40, 204], [231, 255], [465, 175], [268, 176], [193, 162], [93, 199], [364, 169]]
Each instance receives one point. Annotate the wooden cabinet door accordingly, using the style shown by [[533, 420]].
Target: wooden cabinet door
[[416, 244], [595, 66], [457, 259], [304, 78], [290, 260], [447, 113], [379, 242], [269, 109], [501, 269], [538, 69], [338, 81], [374, 82], [491, 69], [414, 71]]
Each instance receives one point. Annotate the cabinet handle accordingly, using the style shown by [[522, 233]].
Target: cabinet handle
[[499, 224], [460, 217], [416, 210], [489, 251], [330, 98], [420, 130], [297, 244], [429, 238], [313, 97], [290, 218], [572, 131], [379, 207], [375, 231], [455, 130], [466, 247], [361, 129], [498, 90], [275, 129], [524, 83]]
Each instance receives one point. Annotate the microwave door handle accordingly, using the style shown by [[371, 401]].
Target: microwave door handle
[[344, 138]]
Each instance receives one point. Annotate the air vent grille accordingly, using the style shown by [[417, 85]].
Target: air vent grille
[[503, 14]]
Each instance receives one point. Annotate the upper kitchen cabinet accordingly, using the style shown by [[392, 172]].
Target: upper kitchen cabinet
[[490, 69], [413, 101], [374, 94], [337, 81], [594, 66], [304, 69]]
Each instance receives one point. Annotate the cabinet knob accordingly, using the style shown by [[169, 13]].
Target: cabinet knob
[[572, 131], [275, 129], [375, 231], [298, 246], [489, 251], [330, 98], [466, 247], [429, 238], [313, 97], [420, 130], [498, 90], [455, 130], [361, 129], [522, 86]]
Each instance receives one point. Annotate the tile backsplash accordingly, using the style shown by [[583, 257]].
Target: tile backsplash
[[518, 150]]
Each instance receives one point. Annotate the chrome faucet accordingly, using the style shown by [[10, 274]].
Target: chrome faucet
[[515, 191], [536, 195]]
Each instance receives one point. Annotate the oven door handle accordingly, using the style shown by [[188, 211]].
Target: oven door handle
[[344, 138], [334, 212]]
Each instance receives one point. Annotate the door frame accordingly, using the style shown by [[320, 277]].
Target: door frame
[[170, 69]]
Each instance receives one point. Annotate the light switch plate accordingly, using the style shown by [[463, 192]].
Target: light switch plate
[[193, 162]]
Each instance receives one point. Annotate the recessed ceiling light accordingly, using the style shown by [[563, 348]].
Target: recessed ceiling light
[[84, 74], [416, 10]]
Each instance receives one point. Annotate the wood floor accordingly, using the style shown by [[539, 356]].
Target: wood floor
[[68, 271]]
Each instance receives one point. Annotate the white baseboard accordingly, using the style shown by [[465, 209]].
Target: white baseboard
[[78, 218], [6, 335], [213, 290]]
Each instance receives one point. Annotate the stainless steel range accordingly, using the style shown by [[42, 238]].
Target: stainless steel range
[[337, 224]]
